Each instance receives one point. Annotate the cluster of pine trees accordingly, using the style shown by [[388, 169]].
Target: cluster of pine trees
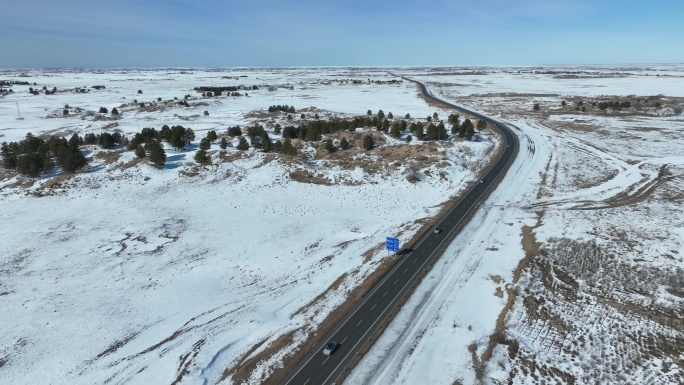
[[32, 155], [105, 140], [465, 129], [285, 108], [176, 136], [147, 143], [618, 106], [260, 140], [45, 89], [234, 131], [217, 90]]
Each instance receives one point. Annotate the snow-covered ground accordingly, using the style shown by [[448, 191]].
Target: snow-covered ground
[[593, 209], [140, 275]]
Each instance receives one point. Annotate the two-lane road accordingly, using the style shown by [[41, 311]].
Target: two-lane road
[[357, 326]]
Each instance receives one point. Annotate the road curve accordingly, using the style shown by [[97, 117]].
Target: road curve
[[358, 325]]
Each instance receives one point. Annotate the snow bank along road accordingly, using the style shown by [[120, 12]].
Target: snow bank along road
[[358, 325]]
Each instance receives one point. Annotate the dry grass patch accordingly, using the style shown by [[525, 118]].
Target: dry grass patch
[[130, 163], [230, 156], [109, 156], [304, 176], [56, 181], [402, 152]]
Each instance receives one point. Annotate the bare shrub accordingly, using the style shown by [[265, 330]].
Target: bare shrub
[[601, 268], [412, 171]]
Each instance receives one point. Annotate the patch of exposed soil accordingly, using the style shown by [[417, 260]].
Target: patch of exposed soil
[[304, 176], [131, 163], [110, 156], [532, 248], [116, 345]]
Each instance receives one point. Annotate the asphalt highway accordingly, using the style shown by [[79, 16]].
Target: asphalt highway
[[357, 326]]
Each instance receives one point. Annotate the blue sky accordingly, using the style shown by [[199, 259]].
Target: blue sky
[[264, 33]]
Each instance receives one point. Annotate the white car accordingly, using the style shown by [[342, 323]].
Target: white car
[[331, 347], [437, 230]]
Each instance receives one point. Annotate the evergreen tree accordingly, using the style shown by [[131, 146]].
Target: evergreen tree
[[385, 125], [413, 127], [224, 143], [470, 130], [211, 135], [390, 116], [481, 125], [90, 138], [30, 164], [266, 142], [435, 116], [380, 115], [407, 116], [176, 137], [106, 140], [277, 146], [74, 141], [204, 144], [189, 135], [234, 131], [201, 157], [69, 158], [453, 119], [419, 133], [140, 151], [368, 142], [48, 164], [408, 139], [329, 145], [396, 130], [466, 126], [313, 134], [344, 144], [243, 145], [287, 148], [441, 131], [432, 132], [536, 106], [156, 152], [9, 157], [369, 113]]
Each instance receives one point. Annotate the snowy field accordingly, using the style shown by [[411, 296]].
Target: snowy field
[[567, 274], [572, 272], [128, 274]]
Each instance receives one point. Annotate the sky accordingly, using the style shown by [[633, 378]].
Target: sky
[[277, 33]]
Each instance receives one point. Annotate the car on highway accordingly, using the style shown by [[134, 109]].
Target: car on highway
[[331, 347], [482, 181], [437, 230]]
